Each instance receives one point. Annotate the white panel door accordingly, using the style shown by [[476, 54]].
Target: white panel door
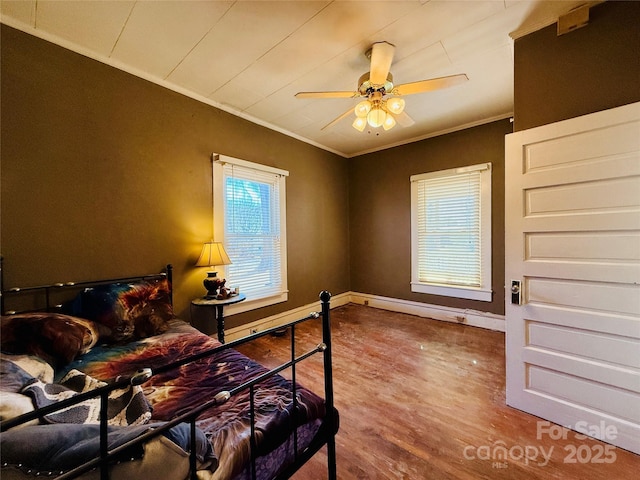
[[573, 242]]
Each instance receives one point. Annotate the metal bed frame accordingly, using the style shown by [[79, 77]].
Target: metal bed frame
[[325, 436]]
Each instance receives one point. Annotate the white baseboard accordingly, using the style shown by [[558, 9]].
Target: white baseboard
[[282, 318], [490, 321], [487, 320]]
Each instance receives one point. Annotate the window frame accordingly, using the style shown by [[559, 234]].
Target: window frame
[[219, 192], [484, 291]]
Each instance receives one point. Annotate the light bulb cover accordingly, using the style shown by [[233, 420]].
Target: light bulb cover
[[359, 123], [395, 105], [389, 122], [362, 108], [376, 117]]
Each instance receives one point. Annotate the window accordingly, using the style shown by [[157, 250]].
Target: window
[[451, 233], [249, 203]]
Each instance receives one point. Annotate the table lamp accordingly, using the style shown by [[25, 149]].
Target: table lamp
[[213, 254]]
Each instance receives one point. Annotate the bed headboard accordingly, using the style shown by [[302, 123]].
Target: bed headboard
[[48, 297]]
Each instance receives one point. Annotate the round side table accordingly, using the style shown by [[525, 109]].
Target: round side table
[[218, 312]]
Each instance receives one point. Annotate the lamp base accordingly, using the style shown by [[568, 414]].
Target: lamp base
[[213, 284]]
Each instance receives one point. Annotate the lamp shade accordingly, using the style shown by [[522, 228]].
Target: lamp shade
[[396, 105], [359, 123], [362, 108], [389, 122], [213, 253], [376, 117]]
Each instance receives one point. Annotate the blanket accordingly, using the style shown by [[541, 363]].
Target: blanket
[[225, 428], [228, 426], [61, 447], [126, 406]]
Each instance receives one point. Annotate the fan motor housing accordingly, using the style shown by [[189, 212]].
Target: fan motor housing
[[366, 88]]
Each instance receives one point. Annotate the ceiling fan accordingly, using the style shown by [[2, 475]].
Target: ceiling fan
[[382, 105]]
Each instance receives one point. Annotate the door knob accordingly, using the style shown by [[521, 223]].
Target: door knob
[[515, 292]]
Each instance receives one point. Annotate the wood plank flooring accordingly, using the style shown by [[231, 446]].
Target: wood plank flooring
[[424, 399]]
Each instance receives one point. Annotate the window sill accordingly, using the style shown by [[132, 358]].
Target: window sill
[[457, 292]]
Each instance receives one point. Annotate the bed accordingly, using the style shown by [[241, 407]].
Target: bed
[[108, 383]]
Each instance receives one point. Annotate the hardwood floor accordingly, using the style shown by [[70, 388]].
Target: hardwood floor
[[424, 399]]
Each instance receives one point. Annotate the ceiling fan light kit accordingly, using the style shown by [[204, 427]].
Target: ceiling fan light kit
[[377, 112], [376, 109]]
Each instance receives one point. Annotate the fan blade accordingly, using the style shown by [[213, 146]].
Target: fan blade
[[381, 58], [333, 122], [403, 119], [327, 94], [429, 85]]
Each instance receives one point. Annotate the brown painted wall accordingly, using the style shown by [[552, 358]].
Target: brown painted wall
[[105, 174], [594, 68], [380, 210]]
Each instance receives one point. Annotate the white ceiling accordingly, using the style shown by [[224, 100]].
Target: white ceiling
[[251, 57]]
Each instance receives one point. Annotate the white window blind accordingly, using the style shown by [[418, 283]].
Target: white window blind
[[451, 232], [252, 233], [250, 221]]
